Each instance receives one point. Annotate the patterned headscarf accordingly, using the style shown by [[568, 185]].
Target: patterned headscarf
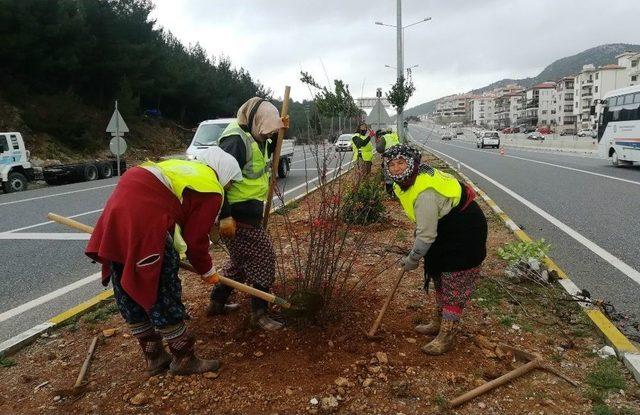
[[414, 166]]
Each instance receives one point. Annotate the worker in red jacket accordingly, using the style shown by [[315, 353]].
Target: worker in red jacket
[[157, 212]]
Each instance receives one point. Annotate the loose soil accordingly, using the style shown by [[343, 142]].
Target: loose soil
[[333, 367]]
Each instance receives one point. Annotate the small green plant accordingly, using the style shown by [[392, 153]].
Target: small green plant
[[6, 362], [287, 208], [516, 252], [601, 409], [101, 314], [507, 321], [488, 294], [364, 204]]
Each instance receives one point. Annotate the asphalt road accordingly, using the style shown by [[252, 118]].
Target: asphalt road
[[585, 195], [39, 258]]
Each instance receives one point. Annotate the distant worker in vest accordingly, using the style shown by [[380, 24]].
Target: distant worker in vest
[[362, 149], [158, 212], [250, 140], [387, 140], [450, 234]]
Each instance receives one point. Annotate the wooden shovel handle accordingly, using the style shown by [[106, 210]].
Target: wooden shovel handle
[[184, 265], [275, 158], [378, 321]]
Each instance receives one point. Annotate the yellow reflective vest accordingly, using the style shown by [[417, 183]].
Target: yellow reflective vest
[[390, 140], [183, 174], [256, 169], [366, 152], [441, 182]]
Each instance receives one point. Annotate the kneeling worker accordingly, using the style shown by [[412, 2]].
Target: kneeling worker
[[451, 235]]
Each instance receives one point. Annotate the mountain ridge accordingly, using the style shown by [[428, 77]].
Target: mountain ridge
[[569, 65]]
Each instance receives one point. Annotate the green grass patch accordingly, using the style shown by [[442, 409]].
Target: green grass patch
[[101, 314], [606, 376], [287, 208], [507, 321], [488, 294], [6, 362]]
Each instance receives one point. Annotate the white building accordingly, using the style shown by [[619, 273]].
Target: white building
[[565, 118], [484, 110], [631, 62], [538, 108], [455, 106], [591, 85]]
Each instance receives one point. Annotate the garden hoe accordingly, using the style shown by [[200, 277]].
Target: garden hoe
[[533, 362], [371, 334], [186, 266]]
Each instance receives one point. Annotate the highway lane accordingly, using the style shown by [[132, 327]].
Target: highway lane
[[41, 265], [587, 195]]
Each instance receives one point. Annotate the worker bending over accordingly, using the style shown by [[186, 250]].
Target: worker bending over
[[450, 234], [157, 212]]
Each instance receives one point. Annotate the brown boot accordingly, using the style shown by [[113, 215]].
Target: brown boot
[[185, 362], [433, 327], [444, 340], [157, 358]]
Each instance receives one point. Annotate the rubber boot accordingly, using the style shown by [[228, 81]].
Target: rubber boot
[[433, 327], [444, 340], [156, 356], [260, 318], [216, 308], [185, 362]]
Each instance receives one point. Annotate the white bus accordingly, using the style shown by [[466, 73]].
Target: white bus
[[619, 126]]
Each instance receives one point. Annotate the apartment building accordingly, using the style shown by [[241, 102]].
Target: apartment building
[[592, 84], [454, 106], [631, 62], [484, 110], [565, 117], [538, 108]]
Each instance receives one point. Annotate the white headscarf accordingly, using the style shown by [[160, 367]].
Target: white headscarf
[[223, 163]]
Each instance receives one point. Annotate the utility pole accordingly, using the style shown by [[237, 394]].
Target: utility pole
[[400, 65]]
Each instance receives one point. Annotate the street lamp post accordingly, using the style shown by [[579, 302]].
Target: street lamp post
[[400, 56]]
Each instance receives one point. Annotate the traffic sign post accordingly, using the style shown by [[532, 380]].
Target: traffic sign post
[[117, 127]]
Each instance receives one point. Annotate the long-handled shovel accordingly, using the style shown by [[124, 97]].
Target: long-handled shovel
[[376, 324], [276, 158], [224, 280]]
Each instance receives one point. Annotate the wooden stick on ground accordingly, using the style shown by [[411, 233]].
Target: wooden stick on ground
[[224, 280], [85, 365], [275, 159], [376, 324]]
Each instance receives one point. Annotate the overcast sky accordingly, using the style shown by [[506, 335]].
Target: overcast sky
[[466, 45]]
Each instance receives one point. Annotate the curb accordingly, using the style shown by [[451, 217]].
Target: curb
[[625, 350], [27, 337]]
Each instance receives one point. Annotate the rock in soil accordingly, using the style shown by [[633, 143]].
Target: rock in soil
[[341, 381], [329, 403], [382, 358], [139, 399], [367, 382]]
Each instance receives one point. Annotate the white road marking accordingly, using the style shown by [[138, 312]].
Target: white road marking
[[547, 164], [50, 221], [94, 277], [48, 297], [45, 236], [57, 194], [587, 243]]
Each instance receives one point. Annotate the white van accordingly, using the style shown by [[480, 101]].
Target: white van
[[207, 135], [209, 132]]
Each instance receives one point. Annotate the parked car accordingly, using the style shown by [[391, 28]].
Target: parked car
[[488, 139], [529, 129], [343, 143], [587, 133], [544, 130], [507, 130], [568, 131], [447, 135], [536, 135]]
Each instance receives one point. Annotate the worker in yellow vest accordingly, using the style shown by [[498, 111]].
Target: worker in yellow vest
[[250, 139], [386, 140], [362, 149], [158, 212], [450, 234]]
